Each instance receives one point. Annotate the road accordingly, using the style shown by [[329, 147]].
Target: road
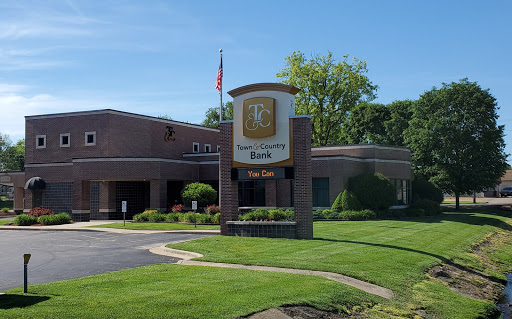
[[60, 255]]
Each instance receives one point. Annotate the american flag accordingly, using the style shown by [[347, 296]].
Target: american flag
[[218, 82]]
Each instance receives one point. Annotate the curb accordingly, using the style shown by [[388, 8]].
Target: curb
[[109, 230]]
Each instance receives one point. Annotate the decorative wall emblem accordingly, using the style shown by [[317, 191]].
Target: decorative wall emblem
[[168, 135], [259, 117]]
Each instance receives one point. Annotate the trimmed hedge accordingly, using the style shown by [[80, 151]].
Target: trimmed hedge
[[364, 214], [262, 214], [349, 201], [422, 189], [336, 206], [374, 191], [25, 220], [56, 219], [429, 206], [190, 217]]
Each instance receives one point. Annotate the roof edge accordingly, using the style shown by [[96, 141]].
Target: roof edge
[[256, 87]]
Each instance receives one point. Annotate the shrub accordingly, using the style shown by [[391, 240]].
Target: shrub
[[57, 219], [317, 214], [172, 217], [423, 189], [212, 209], [364, 214], [216, 218], [38, 211], [204, 194], [142, 217], [330, 214], [336, 206], [190, 217], [5, 209], [177, 208], [374, 191], [155, 217], [429, 206], [152, 211], [25, 220], [262, 214], [349, 201]]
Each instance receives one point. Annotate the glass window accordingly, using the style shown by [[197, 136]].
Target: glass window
[[90, 138], [64, 140], [321, 192], [402, 190], [40, 141], [218, 148], [195, 147], [251, 193], [207, 148]]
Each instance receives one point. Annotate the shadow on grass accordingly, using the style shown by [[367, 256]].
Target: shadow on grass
[[441, 258], [9, 301]]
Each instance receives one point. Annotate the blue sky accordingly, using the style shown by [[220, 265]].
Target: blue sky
[[161, 57]]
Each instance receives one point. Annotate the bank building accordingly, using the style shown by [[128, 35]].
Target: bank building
[[87, 163]]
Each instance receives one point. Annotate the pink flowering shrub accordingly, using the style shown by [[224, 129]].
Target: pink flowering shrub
[[38, 211]]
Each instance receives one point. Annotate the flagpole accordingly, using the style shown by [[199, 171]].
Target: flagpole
[[220, 107]]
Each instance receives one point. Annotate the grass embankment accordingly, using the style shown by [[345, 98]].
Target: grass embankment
[[394, 254], [159, 226], [5, 221], [390, 253]]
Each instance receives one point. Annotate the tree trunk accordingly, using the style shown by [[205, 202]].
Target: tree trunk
[[474, 197], [457, 198]]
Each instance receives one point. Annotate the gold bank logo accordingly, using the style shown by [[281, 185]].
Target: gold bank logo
[[259, 117]]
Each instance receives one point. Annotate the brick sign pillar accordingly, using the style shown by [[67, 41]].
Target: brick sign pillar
[[303, 188], [266, 141], [228, 188]]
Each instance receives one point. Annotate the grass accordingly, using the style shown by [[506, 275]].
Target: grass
[[174, 291], [4, 202], [390, 253], [4, 221], [159, 226], [461, 202]]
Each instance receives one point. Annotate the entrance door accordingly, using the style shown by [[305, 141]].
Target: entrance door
[[174, 189]]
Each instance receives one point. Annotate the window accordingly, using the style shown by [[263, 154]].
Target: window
[[65, 140], [321, 192], [218, 148], [251, 193], [90, 138], [403, 191], [207, 148], [195, 147], [40, 141]]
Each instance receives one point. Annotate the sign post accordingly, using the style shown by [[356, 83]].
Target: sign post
[[123, 209], [26, 258], [194, 208]]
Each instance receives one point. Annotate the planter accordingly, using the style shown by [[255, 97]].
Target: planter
[[271, 229]]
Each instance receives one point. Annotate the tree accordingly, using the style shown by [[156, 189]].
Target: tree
[[365, 124], [329, 91], [455, 140], [212, 115], [13, 158], [400, 113]]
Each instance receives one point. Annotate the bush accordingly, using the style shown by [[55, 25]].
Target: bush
[[364, 214], [330, 214], [422, 189], [57, 219], [190, 217], [38, 211], [155, 217], [317, 214], [262, 214], [177, 208], [25, 220], [152, 211], [5, 209], [216, 218], [204, 194], [336, 206], [142, 217], [374, 191], [172, 217], [349, 201], [429, 206], [212, 209]]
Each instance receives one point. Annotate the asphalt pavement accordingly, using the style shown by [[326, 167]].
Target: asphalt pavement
[[61, 255]]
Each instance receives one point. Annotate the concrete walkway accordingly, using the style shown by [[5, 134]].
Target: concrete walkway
[[359, 284]]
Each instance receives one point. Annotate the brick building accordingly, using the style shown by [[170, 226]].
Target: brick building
[[91, 161]]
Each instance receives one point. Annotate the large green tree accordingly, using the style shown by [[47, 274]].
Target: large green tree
[[212, 115], [12, 157], [455, 140], [400, 113], [329, 91], [365, 124]]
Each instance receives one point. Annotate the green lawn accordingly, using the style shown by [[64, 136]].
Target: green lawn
[[159, 226], [390, 253], [461, 202], [4, 221], [174, 291]]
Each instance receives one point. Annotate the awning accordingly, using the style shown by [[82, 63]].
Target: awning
[[35, 183]]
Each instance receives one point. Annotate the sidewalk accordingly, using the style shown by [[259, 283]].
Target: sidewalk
[[84, 226]]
